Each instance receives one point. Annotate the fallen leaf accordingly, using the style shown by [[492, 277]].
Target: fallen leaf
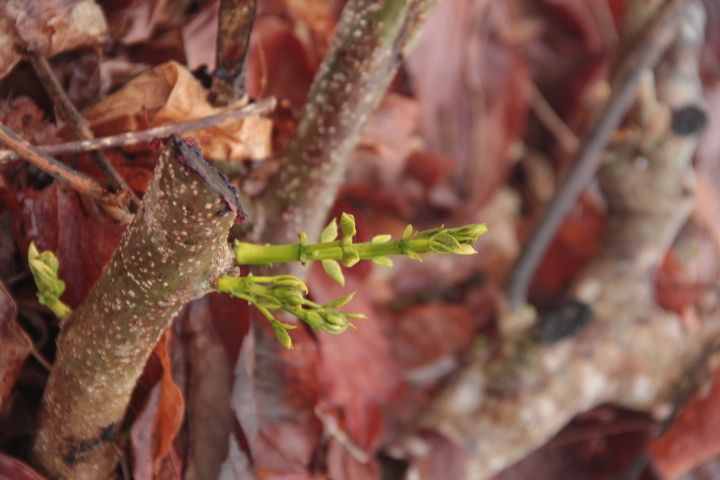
[[355, 399], [278, 63], [475, 107], [47, 27], [576, 242], [82, 237], [169, 93], [171, 406], [15, 346], [154, 430], [693, 437]]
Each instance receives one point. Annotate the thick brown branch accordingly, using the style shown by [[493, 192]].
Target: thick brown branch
[[365, 53], [632, 352], [169, 255]]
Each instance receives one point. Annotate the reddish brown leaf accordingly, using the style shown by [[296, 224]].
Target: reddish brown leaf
[[343, 466], [81, 236], [694, 436], [674, 290], [595, 20], [356, 398], [474, 107], [15, 345], [278, 64], [577, 241], [171, 406], [13, 469], [155, 429]]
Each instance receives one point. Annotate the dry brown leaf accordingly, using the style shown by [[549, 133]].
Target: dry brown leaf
[[48, 27], [169, 93]]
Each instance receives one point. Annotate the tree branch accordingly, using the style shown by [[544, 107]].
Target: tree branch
[[650, 46], [235, 23], [76, 180], [170, 254], [78, 124], [363, 58], [144, 136], [632, 352]]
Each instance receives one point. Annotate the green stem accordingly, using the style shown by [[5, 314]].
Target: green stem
[[254, 254]]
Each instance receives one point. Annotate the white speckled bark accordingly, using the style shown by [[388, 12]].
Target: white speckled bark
[[170, 253]]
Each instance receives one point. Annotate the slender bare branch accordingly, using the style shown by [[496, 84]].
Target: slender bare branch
[[78, 124], [76, 180], [144, 136]]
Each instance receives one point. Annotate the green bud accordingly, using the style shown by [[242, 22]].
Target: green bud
[[290, 281], [408, 232], [330, 232], [332, 268], [312, 318], [347, 225], [281, 334], [341, 302], [379, 239], [350, 256], [413, 256], [383, 262], [44, 268]]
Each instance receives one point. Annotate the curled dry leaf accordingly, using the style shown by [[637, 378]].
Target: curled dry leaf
[[15, 346], [169, 93], [48, 27]]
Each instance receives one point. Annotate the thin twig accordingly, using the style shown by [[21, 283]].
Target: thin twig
[[144, 136], [77, 180], [552, 121], [646, 53], [79, 125], [235, 22]]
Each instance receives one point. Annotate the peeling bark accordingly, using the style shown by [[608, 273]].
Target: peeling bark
[[632, 352], [169, 255]]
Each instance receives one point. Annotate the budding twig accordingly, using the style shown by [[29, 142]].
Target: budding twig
[[286, 292]]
